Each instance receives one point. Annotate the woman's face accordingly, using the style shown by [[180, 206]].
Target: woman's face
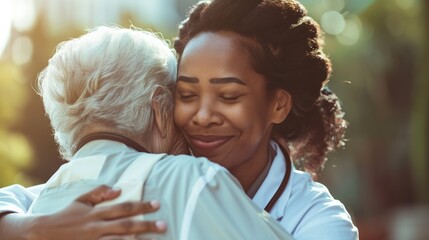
[[222, 106]]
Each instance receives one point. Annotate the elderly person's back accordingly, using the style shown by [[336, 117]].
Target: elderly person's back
[[109, 96]]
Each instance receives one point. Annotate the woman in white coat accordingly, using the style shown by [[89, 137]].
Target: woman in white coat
[[253, 72]]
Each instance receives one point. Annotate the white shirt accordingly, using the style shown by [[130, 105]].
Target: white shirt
[[199, 198], [305, 209]]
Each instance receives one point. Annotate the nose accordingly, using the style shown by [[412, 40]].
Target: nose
[[207, 114]]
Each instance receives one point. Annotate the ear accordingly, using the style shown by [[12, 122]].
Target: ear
[[160, 120], [282, 104]]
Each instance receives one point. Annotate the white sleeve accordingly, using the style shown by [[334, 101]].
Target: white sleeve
[[312, 213], [218, 208], [327, 220], [16, 198]]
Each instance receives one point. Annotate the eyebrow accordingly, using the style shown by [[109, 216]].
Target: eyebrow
[[226, 80], [212, 80], [188, 79]]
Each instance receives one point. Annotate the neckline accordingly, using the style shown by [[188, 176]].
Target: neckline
[[284, 182], [263, 175], [110, 136]]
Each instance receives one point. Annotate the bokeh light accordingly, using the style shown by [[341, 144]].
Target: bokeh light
[[333, 22], [5, 23], [22, 50], [24, 15], [352, 31]]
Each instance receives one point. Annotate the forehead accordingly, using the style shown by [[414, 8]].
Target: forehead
[[220, 49]]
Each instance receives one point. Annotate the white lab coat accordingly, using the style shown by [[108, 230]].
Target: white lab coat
[[306, 209]]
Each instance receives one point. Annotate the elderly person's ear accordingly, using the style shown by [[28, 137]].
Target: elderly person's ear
[[161, 119]]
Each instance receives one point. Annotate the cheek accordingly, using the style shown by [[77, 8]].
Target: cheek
[[250, 109], [182, 114], [251, 117], [238, 115]]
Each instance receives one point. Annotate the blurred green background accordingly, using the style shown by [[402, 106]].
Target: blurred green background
[[379, 49]]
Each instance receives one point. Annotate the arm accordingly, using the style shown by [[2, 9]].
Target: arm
[[82, 217], [16, 198], [223, 211]]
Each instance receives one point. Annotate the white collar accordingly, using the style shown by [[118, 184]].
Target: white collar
[[272, 182], [101, 147]]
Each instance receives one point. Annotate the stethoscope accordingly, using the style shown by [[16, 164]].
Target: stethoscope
[[285, 180], [139, 148]]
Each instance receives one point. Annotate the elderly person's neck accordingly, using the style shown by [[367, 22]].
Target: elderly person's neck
[[99, 129], [153, 142]]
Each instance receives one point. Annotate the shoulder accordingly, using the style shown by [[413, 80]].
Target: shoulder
[[187, 163], [186, 168], [304, 186], [312, 213]]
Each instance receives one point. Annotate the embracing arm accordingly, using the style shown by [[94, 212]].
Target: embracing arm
[[81, 217], [16, 198], [14, 202]]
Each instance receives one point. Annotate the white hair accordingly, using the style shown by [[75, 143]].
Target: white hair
[[107, 76]]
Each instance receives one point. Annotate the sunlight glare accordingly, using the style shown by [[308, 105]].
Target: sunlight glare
[[5, 23], [24, 15]]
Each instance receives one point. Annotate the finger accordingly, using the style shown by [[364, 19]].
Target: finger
[[126, 209], [99, 194], [129, 226]]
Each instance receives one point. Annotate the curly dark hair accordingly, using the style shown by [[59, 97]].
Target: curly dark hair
[[285, 46]]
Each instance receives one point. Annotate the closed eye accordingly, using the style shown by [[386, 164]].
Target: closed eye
[[230, 98], [186, 96]]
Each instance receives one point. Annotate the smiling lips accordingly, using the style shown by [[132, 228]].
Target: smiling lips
[[208, 142]]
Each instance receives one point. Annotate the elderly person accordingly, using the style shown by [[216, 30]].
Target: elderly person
[[109, 96]]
